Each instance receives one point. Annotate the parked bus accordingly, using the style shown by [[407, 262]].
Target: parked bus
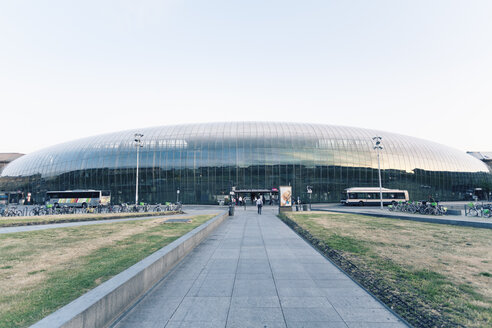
[[79, 198], [370, 195], [11, 197]]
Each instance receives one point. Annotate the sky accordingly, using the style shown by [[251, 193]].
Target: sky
[[72, 69]]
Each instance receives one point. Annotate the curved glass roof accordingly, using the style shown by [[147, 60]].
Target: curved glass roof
[[243, 144]]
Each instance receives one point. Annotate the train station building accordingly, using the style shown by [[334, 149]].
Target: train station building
[[202, 163]]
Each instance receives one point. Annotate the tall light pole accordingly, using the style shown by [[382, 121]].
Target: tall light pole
[[138, 144], [378, 147]]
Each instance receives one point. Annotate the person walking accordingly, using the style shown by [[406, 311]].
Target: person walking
[[259, 203]]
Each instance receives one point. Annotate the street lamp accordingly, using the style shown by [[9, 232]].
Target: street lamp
[[138, 144], [378, 147], [177, 196]]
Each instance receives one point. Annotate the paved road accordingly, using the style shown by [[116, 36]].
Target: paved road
[[253, 271]]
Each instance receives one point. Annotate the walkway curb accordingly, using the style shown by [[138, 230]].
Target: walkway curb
[[103, 304], [456, 222]]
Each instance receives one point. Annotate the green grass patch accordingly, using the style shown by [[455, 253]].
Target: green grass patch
[[442, 271], [60, 283]]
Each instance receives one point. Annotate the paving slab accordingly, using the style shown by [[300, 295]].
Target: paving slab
[[254, 271]]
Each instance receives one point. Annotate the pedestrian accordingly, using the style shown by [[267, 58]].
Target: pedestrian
[[431, 199], [240, 201], [259, 203]]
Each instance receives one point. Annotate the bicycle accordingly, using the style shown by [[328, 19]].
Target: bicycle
[[124, 208], [487, 210], [114, 209], [145, 208], [411, 207], [473, 209], [12, 211], [38, 211]]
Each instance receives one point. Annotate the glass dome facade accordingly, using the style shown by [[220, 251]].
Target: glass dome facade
[[204, 161]]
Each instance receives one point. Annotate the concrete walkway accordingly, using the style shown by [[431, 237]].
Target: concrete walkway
[[255, 272]]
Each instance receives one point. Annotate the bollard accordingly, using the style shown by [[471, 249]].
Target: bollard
[[231, 210]]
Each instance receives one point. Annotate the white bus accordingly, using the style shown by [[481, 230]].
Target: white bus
[[78, 198], [370, 195]]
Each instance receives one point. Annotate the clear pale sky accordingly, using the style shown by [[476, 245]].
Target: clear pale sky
[[71, 69]]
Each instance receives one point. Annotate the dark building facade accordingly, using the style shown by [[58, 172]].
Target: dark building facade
[[205, 161]]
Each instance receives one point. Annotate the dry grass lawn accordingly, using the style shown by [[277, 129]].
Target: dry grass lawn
[[462, 255], [459, 253], [30, 261]]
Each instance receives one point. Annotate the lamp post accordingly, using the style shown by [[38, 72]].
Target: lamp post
[[138, 144], [378, 147]]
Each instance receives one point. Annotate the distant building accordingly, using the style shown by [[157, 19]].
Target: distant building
[[6, 158], [484, 156]]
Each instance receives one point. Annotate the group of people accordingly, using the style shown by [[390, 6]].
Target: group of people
[[258, 201]]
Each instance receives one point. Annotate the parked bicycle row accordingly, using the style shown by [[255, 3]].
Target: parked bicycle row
[[421, 207], [39, 210], [475, 209]]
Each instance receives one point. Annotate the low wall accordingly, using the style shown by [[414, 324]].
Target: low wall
[[102, 305]]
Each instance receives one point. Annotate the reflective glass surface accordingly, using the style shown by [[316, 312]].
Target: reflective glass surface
[[206, 160]]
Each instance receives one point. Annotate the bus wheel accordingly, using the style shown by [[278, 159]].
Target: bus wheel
[[84, 205], [361, 203]]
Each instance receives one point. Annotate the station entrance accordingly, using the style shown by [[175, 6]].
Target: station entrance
[[270, 196]]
